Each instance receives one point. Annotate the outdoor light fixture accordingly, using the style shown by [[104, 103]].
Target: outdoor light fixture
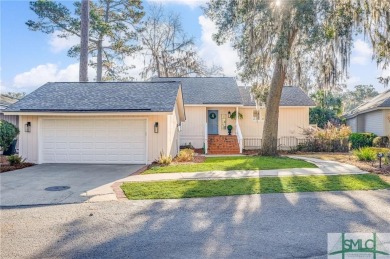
[[27, 127], [156, 127], [229, 114]]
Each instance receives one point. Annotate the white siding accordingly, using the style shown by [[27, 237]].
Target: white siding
[[374, 122], [193, 127], [291, 122], [14, 119], [173, 133]]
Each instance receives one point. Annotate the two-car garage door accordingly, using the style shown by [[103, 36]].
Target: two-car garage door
[[116, 141]]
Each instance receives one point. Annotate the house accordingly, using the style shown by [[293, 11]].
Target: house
[[210, 103], [122, 122], [6, 101], [371, 116], [133, 122]]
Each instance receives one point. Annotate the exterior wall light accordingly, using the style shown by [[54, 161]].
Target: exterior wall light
[[156, 127], [27, 127], [229, 114]]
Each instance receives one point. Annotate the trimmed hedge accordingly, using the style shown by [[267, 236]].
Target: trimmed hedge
[[359, 140]]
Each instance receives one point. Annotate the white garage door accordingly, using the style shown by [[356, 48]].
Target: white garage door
[[116, 141]]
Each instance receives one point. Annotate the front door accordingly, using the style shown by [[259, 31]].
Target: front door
[[212, 122]]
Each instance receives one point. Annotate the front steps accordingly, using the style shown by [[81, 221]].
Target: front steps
[[223, 145]]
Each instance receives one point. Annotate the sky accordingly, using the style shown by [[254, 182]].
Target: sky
[[29, 59]]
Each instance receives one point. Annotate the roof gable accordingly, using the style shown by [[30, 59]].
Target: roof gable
[[380, 101], [207, 90], [100, 96]]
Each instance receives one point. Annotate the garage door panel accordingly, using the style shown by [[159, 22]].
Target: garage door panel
[[93, 141]]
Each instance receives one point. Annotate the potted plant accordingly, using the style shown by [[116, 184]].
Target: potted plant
[[229, 128], [233, 115]]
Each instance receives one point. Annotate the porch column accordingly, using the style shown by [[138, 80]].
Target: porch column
[[236, 117]]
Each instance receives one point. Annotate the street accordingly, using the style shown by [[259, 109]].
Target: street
[[250, 226]]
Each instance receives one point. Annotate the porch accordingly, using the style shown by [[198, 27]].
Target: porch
[[222, 131]]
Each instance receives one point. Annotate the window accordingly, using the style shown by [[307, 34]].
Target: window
[[256, 115], [223, 121], [262, 113]]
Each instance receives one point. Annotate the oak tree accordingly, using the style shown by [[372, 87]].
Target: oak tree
[[298, 42]]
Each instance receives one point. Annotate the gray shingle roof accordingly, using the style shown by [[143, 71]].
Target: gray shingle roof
[[102, 96], [380, 101], [207, 90], [291, 96]]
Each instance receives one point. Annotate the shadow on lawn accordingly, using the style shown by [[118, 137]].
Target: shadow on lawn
[[248, 226]]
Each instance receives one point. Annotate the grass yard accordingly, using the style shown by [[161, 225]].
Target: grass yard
[[209, 188], [233, 163]]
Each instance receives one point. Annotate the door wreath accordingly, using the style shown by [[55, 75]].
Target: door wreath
[[212, 116]]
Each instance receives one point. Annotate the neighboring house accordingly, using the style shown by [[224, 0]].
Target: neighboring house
[[371, 116], [129, 122], [210, 101], [6, 101]]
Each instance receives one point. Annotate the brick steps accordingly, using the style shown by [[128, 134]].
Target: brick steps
[[226, 145]]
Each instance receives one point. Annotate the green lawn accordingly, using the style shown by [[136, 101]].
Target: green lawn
[[233, 163], [208, 188]]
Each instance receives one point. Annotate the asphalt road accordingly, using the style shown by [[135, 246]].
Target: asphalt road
[[252, 226]]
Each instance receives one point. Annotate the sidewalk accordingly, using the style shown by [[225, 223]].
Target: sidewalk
[[324, 168]]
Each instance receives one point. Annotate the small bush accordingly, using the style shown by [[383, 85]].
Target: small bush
[[329, 139], [380, 141], [15, 160], [185, 155], [164, 159], [359, 140], [365, 154], [8, 132]]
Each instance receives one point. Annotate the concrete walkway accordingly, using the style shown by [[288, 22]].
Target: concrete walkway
[[324, 168]]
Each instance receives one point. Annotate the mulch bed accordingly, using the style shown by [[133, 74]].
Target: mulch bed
[[7, 167]]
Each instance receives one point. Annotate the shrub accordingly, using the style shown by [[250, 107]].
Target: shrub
[[185, 155], [15, 160], [359, 140], [329, 139], [8, 132], [164, 159], [380, 141], [365, 154]]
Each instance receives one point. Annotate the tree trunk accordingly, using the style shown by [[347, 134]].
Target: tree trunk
[[270, 129], [83, 68], [99, 61], [271, 122]]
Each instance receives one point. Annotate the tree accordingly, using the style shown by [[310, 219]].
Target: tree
[[15, 95], [83, 69], [297, 42], [114, 26], [8, 132], [321, 116], [168, 51], [361, 94], [328, 101]]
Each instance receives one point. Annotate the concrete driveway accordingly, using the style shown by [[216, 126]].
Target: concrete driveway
[[87, 183]]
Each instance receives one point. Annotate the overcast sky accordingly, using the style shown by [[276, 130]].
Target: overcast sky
[[30, 59]]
